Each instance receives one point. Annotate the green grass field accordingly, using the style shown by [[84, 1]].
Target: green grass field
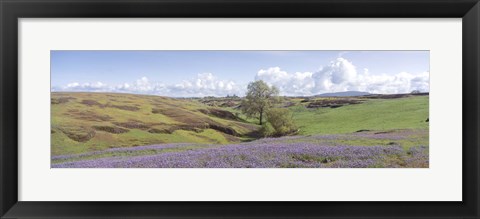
[[86, 122], [376, 114]]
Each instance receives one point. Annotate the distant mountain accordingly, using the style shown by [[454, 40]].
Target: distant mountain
[[344, 94]]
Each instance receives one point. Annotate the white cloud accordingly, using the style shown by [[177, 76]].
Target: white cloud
[[339, 75], [298, 83], [342, 75], [142, 85], [92, 87], [205, 84]]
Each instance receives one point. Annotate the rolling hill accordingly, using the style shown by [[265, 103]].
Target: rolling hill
[[348, 115], [82, 122], [93, 122]]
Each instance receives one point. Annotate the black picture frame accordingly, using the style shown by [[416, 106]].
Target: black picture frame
[[12, 10]]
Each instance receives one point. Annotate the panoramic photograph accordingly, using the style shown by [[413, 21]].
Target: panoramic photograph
[[239, 109]]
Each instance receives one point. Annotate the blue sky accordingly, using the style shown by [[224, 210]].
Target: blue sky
[[217, 73]]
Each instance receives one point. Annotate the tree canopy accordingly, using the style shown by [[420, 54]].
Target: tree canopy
[[260, 97]]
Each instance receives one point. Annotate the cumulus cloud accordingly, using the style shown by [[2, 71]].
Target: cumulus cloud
[[205, 84], [339, 75], [298, 83], [142, 85], [92, 87], [342, 75]]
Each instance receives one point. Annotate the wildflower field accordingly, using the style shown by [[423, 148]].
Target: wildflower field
[[287, 152]]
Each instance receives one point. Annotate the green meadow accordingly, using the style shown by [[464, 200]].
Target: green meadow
[[375, 114]]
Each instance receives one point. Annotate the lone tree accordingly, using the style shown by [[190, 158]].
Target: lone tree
[[260, 97]]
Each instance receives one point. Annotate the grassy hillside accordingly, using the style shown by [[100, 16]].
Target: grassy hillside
[[83, 122], [371, 114]]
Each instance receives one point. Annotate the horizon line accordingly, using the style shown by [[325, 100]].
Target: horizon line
[[233, 95]]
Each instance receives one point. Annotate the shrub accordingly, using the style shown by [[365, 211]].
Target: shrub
[[266, 130], [281, 121]]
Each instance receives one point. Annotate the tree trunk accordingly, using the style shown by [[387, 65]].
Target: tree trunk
[[261, 116]]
